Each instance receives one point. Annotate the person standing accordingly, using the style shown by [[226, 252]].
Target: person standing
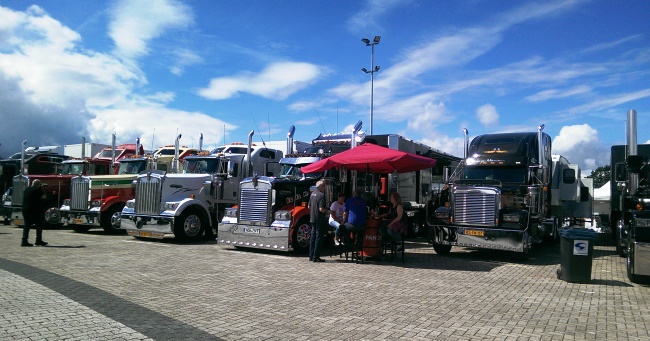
[[32, 212], [318, 218]]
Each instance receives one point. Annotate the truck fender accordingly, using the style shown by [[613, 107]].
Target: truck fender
[[187, 203], [112, 200], [298, 213]]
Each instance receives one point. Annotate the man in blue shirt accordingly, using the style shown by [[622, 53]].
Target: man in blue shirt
[[355, 215]]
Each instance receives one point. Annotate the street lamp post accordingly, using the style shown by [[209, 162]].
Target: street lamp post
[[372, 71]]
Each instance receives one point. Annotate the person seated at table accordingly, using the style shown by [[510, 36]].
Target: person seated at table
[[337, 210], [397, 221], [355, 216]]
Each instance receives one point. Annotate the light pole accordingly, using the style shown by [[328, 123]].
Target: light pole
[[372, 71]]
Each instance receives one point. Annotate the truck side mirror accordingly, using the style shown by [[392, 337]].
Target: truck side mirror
[[232, 168]]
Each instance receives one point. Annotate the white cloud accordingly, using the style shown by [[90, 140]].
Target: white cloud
[[276, 81], [580, 144], [135, 22], [54, 91], [426, 121], [366, 19], [488, 116], [558, 93]]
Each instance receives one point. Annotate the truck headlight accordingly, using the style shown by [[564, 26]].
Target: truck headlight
[[171, 206], [130, 204], [511, 217], [642, 222], [96, 203], [231, 212], [282, 215], [66, 202]]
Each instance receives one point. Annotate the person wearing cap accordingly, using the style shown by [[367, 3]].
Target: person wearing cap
[[32, 212], [318, 219]]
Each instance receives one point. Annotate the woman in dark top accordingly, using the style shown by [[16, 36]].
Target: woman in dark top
[[397, 225]]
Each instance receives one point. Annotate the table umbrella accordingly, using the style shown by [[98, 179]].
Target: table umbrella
[[372, 158]]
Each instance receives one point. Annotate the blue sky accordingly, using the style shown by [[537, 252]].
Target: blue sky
[[156, 68]]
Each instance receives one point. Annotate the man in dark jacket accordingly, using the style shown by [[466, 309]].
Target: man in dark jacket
[[32, 212]]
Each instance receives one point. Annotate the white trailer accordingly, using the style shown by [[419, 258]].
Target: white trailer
[[91, 149]]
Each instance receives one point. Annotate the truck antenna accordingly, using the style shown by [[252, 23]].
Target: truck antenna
[[258, 130], [321, 122]]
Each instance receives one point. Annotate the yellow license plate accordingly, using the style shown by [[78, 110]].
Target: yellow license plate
[[475, 233], [18, 222], [77, 221], [144, 234]]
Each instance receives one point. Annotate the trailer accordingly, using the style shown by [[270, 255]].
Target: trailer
[[81, 150]]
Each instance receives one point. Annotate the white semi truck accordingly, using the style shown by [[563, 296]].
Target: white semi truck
[[188, 205]]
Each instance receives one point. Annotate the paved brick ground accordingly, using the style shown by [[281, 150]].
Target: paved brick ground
[[97, 286]]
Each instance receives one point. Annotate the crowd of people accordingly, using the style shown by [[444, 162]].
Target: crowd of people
[[348, 218]]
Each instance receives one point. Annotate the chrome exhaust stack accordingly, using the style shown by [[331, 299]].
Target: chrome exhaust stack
[[292, 130], [632, 147], [465, 143], [249, 163], [540, 145]]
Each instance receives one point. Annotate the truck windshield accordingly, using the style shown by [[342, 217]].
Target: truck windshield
[[294, 172], [507, 174], [131, 167], [73, 168], [212, 165]]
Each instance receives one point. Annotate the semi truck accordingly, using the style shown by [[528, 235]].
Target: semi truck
[[630, 202], [188, 205], [508, 193], [57, 186], [31, 160], [97, 200], [273, 214]]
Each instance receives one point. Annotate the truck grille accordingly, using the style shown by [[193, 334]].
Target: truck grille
[[475, 207], [20, 183], [79, 193], [254, 205], [147, 195]]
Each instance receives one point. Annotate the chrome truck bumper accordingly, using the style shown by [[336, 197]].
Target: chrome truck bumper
[[146, 226], [252, 236], [88, 218], [480, 237], [16, 216], [641, 258]]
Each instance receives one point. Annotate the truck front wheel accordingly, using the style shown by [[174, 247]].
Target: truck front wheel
[[301, 235], [441, 249], [189, 226], [111, 218]]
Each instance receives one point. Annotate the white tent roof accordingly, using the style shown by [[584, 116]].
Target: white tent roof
[[603, 193]]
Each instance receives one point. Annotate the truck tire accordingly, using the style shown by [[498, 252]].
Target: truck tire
[[80, 228], [51, 215], [110, 219], [6, 220], [630, 268], [301, 235], [189, 226], [441, 249]]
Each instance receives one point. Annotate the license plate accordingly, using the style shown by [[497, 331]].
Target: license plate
[[19, 222], [249, 230], [479, 233], [146, 234], [77, 221]]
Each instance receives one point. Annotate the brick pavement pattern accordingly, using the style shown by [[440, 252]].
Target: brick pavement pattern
[[97, 286]]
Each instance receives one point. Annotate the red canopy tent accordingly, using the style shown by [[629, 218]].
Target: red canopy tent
[[372, 158]]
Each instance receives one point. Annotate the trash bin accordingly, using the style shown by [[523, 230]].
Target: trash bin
[[577, 250]]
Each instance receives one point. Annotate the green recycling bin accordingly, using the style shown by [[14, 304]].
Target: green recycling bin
[[577, 251]]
